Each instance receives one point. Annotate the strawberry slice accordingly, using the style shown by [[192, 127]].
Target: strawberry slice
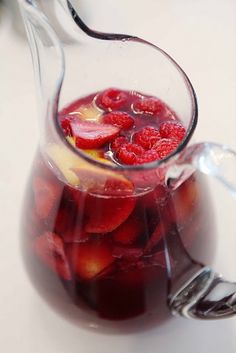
[[88, 260], [89, 135], [49, 248], [46, 195], [129, 231], [104, 215]]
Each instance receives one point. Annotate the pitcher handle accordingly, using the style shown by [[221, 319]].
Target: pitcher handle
[[206, 294]]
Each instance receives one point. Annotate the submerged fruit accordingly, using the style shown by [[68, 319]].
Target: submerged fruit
[[49, 247]]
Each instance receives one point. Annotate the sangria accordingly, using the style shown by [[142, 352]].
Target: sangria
[[94, 239]]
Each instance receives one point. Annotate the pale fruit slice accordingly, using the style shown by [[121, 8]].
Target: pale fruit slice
[[89, 112], [71, 140], [79, 172], [65, 161]]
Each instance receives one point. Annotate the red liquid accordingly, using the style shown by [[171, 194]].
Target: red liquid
[[104, 255]]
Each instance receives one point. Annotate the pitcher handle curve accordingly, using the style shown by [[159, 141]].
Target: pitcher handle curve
[[206, 295]]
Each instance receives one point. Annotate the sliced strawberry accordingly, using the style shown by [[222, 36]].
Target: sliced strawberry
[[147, 137], [66, 124], [89, 135], [129, 231], [49, 248], [88, 260], [149, 105], [121, 119], [112, 98], [104, 215], [46, 196], [173, 130]]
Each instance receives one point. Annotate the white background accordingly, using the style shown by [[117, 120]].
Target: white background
[[201, 37]]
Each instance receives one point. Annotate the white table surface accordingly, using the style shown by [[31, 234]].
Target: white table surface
[[201, 36]]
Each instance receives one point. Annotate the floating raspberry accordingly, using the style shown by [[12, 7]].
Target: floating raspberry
[[172, 129], [150, 105], [89, 135], [112, 98], [165, 147], [129, 153], [120, 119], [148, 156], [147, 137], [118, 142]]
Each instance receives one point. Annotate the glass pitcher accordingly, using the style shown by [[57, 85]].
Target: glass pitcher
[[110, 245]]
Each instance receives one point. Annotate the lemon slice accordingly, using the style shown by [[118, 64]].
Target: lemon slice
[[79, 172], [88, 112]]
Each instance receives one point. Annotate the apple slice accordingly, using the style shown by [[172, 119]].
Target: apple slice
[[88, 260], [49, 247], [89, 112], [89, 135]]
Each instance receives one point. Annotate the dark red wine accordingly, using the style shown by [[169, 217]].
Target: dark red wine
[[101, 248]]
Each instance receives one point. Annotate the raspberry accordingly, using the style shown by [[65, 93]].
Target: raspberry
[[113, 98], [148, 156], [172, 129], [120, 119], [164, 147], [129, 153], [150, 106], [147, 137], [118, 142]]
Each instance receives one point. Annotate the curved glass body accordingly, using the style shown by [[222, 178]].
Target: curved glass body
[[106, 242], [94, 277]]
